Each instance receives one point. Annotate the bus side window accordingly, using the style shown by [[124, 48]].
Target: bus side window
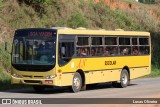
[[125, 45], [114, 51], [82, 46], [135, 51], [66, 51], [144, 46], [144, 50], [97, 51], [125, 50], [79, 51], [83, 52], [135, 47]]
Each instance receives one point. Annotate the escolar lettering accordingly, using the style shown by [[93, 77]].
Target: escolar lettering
[[110, 62]]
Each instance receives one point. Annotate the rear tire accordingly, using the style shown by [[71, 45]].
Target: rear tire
[[39, 88], [76, 83], [124, 79]]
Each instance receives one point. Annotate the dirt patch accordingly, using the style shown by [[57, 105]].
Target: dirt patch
[[152, 9]]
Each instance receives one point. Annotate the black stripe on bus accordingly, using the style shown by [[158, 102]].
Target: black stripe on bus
[[105, 69], [115, 69]]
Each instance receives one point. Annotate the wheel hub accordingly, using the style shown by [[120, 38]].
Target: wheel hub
[[124, 79], [76, 83]]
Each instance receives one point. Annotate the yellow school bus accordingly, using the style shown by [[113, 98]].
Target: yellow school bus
[[77, 57]]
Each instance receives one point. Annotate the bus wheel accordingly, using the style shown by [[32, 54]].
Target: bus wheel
[[124, 79], [39, 88], [77, 82]]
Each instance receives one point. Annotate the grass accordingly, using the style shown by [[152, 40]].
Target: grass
[[5, 77], [77, 20], [5, 81], [4, 58], [129, 1], [66, 13], [155, 72]]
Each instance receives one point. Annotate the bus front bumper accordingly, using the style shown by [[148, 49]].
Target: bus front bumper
[[27, 81]]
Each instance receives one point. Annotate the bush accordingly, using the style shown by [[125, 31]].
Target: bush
[[121, 19], [147, 1], [155, 37], [77, 20], [38, 5], [30, 2], [5, 58]]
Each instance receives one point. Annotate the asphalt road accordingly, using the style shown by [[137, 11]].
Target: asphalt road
[[139, 88]]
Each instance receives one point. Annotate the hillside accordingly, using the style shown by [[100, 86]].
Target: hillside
[[147, 15], [131, 6], [92, 14]]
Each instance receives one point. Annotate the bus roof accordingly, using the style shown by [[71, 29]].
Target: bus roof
[[100, 32]]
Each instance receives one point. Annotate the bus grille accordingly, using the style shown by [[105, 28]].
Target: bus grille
[[32, 81], [30, 76]]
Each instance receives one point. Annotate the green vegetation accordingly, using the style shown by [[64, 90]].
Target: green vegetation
[[129, 1], [77, 20], [155, 50], [5, 58], [4, 79], [147, 1], [155, 72], [15, 14]]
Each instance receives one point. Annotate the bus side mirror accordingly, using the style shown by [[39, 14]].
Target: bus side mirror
[[6, 46]]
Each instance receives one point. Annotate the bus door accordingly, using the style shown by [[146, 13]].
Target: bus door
[[66, 49]]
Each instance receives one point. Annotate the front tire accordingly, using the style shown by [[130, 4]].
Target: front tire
[[76, 83]]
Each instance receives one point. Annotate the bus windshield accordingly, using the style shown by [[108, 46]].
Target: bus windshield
[[34, 50]]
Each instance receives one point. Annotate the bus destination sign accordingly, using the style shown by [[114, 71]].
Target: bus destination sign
[[44, 33]]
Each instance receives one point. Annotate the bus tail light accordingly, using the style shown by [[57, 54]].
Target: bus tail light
[[49, 81]]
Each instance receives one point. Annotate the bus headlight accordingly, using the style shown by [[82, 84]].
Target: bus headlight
[[16, 75], [50, 76]]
